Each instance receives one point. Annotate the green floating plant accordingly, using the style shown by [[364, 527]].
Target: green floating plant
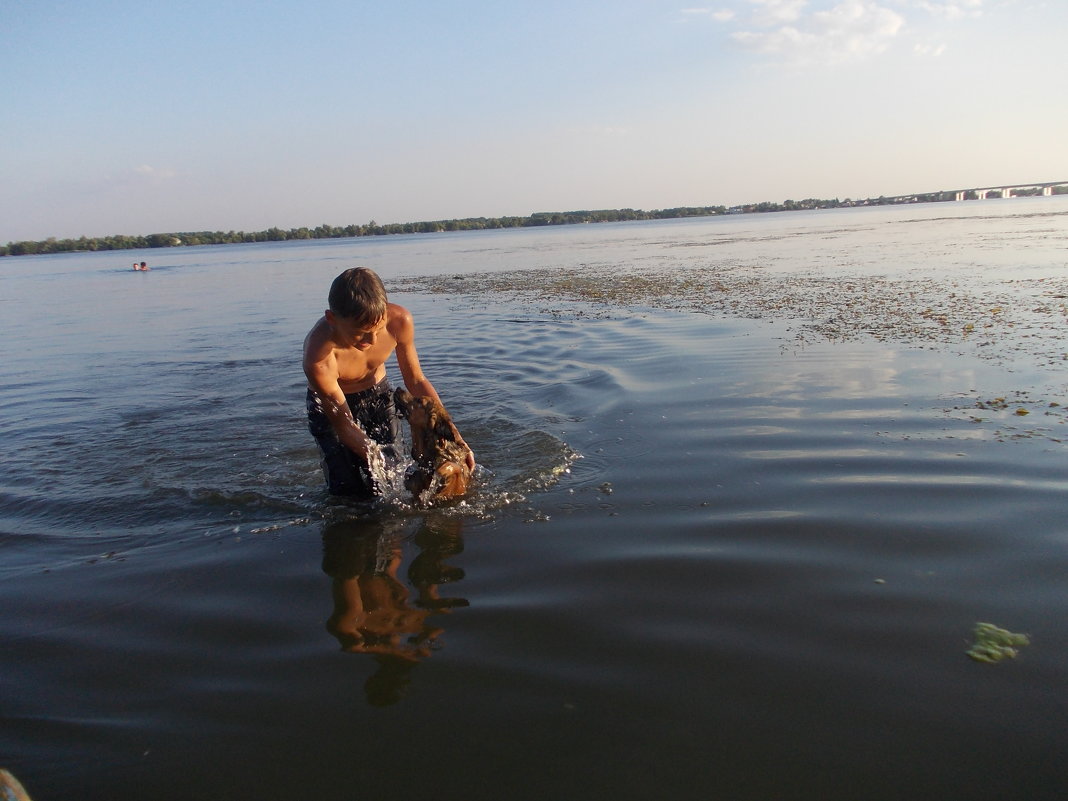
[[993, 644]]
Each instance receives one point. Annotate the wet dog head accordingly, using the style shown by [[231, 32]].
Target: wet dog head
[[440, 461], [425, 414]]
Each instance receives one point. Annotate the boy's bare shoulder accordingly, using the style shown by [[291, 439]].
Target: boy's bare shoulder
[[399, 323], [318, 344]]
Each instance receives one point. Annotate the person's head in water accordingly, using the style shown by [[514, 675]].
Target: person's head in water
[[358, 296]]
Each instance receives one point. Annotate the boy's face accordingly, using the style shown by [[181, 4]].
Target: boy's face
[[349, 334]]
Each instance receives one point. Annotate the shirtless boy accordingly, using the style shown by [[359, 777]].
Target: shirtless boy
[[350, 401]]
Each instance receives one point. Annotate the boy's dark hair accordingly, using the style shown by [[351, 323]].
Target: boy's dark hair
[[358, 295]]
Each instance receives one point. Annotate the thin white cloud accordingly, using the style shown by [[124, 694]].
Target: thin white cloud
[[718, 14], [141, 177], [154, 174], [777, 12], [599, 132], [778, 42], [951, 9], [851, 30], [929, 51]]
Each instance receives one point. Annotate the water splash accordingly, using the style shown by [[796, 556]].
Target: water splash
[[381, 475]]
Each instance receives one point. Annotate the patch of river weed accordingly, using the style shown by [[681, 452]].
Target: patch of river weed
[[1006, 322], [999, 321]]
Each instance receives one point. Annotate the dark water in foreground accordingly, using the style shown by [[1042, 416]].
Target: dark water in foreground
[[701, 562]]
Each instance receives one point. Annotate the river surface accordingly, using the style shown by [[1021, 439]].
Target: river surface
[[746, 486]]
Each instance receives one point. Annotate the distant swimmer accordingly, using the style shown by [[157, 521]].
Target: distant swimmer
[[144, 267]]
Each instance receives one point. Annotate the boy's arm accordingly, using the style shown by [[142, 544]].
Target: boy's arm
[[402, 329], [322, 376]]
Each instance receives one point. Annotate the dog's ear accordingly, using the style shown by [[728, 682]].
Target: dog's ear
[[441, 425]]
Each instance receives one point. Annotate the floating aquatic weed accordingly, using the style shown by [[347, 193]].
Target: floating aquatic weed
[[299, 521], [1014, 315], [1043, 415], [996, 321], [993, 644]]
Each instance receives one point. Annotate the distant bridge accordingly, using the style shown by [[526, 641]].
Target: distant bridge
[[982, 193]]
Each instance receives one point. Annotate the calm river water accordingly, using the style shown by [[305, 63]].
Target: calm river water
[[747, 484]]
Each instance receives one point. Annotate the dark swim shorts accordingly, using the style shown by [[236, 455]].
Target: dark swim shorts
[[373, 409]]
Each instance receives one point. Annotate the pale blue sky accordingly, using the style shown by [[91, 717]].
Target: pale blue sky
[[124, 117]]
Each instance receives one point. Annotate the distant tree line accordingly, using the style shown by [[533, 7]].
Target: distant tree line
[[325, 231]]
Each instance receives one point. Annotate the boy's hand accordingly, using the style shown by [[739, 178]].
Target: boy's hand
[[470, 459]]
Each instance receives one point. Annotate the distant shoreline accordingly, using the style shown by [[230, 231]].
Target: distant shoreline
[[538, 219]]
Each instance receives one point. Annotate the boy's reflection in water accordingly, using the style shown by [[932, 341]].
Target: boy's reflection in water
[[374, 612]]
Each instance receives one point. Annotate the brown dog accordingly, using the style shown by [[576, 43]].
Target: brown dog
[[440, 461]]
